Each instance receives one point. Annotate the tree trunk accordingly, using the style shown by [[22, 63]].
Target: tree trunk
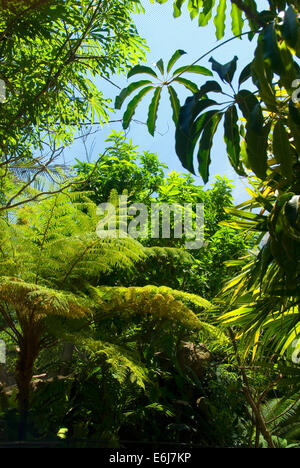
[[24, 371], [67, 356]]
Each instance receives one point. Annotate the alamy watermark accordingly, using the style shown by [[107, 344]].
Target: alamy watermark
[[2, 91], [296, 93], [2, 352], [120, 220], [296, 351]]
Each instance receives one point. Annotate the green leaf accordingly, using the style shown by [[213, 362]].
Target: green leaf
[[192, 107], [261, 78], [188, 84], [219, 20], [193, 7], [160, 66], [152, 114], [132, 106], [174, 58], [256, 119], [294, 124], [232, 137], [245, 74], [188, 130], [175, 104], [225, 72], [210, 86], [246, 215], [127, 91], [237, 21], [212, 119], [141, 69], [257, 145], [290, 27], [177, 7], [282, 150], [193, 69], [271, 49], [206, 13]]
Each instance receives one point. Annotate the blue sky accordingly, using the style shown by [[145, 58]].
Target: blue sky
[[164, 34]]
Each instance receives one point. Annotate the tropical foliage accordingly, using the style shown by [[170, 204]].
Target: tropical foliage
[[120, 339], [261, 132], [52, 52]]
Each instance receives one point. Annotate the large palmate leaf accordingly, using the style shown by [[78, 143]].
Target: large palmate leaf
[[282, 150], [257, 146], [141, 69], [210, 124], [189, 128], [194, 123], [270, 56], [193, 69], [226, 71], [175, 104], [187, 83], [165, 80], [132, 106], [245, 74], [232, 138], [153, 111], [290, 27], [127, 91], [271, 49], [177, 54]]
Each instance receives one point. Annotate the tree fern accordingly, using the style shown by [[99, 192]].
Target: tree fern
[[123, 362], [156, 304], [56, 263]]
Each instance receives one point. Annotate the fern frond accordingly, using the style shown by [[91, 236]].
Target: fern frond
[[124, 363], [31, 301], [158, 302]]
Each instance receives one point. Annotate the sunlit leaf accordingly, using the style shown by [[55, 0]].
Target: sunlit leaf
[[160, 66], [193, 69], [141, 69], [190, 85], [127, 91], [237, 21], [152, 113], [132, 106], [219, 19], [177, 54], [175, 104]]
